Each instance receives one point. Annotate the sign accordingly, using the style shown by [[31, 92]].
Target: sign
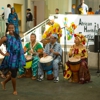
[[88, 25]]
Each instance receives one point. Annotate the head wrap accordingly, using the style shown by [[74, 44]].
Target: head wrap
[[81, 38], [51, 17], [55, 35]]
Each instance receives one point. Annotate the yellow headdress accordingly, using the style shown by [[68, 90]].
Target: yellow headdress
[[81, 38]]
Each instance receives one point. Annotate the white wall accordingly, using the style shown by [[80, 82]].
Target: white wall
[[63, 5], [4, 3], [51, 5], [93, 3]]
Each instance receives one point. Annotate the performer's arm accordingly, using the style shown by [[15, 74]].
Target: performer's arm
[[84, 53], [1, 42], [71, 51]]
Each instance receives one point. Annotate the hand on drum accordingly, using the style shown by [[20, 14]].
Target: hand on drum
[[44, 55], [51, 50], [31, 52]]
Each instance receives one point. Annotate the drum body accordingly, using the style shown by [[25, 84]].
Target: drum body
[[47, 65], [74, 67], [28, 71]]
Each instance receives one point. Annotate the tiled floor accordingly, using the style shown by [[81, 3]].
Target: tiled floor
[[48, 90]]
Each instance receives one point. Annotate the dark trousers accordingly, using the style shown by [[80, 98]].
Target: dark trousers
[[6, 27]]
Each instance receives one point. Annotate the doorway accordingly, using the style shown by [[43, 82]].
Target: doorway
[[35, 15], [18, 9]]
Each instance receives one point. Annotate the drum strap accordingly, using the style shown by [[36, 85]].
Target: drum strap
[[33, 47], [53, 48]]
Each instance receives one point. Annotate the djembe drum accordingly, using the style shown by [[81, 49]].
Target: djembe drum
[[46, 63], [74, 67], [28, 71]]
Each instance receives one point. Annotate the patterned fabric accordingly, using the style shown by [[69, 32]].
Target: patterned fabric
[[35, 49], [35, 59], [55, 28], [78, 52], [16, 58], [56, 47], [56, 59], [84, 74], [15, 22], [81, 38]]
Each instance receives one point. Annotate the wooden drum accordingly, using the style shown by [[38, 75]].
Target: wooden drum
[[74, 67], [28, 71], [46, 63]]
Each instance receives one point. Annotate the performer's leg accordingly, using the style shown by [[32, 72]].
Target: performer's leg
[[56, 70], [40, 72], [14, 85], [21, 72], [13, 79], [40, 69], [35, 67], [6, 27], [3, 83]]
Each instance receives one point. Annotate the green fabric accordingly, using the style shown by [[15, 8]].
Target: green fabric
[[35, 59], [35, 48]]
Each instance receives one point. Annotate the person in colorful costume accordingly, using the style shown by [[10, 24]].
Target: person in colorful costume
[[51, 49], [13, 18], [54, 28], [78, 50], [14, 57], [32, 48]]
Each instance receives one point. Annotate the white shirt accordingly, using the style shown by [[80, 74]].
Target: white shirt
[[85, 8], [7, 11]]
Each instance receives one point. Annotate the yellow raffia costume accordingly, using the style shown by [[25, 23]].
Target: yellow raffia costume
[[55, 28]]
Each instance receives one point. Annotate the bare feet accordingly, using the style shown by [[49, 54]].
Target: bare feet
[[2, 76], [3, 85], [15, 93], [21, 76], [70, 80], [33, 78]]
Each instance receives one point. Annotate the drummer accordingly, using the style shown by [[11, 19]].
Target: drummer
[[54, 27], [52, 49], [78, 50], [32, 48]]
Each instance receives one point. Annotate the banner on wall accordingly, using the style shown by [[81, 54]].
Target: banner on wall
[[85, 24]]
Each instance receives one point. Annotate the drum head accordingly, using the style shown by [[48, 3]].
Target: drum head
[[74, 60], [28, 58], [46, 59]]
